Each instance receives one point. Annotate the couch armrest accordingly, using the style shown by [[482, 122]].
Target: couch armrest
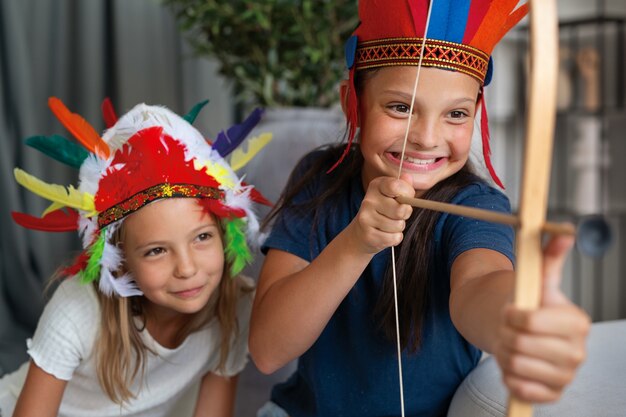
[[599, 389]]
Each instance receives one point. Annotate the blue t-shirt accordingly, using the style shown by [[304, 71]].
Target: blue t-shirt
[[352, 369]]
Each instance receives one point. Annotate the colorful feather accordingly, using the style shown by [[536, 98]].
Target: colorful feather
[[91, 272], [52, 207], [148, 158], [193, 113], [79, 264], [257, 197], [80, 128], [484, 132], [500, 17], [236, 249], [55, 221], [108, 113], [227, 141], [59, 148], [239, 158], [67, 196]]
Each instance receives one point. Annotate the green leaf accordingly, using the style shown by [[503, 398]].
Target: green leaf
[[281, 52]]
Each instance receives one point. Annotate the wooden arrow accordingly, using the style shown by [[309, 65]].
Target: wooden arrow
[[487, 215]]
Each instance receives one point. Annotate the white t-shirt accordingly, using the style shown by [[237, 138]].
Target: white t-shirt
[[63, 344]]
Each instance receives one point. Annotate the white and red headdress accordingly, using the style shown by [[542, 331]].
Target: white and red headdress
[[150, 153]]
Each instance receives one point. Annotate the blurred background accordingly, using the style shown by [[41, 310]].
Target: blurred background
[[287, 57]]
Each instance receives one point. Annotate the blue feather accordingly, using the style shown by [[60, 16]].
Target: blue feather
[[59, 148], [448, 20], [226, 142]]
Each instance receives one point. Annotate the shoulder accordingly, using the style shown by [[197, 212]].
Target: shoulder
[[479, 194], [457, 234], [317, 163], [66, 330], [78, 302], [316, 156]]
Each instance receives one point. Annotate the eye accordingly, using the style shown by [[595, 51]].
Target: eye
[[399, 108], [203, 237], [154, 252], [458, 114]]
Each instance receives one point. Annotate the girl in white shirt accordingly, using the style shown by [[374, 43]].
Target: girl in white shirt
[[155, 303]]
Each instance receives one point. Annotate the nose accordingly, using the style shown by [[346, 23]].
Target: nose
[[424, 132], [185, 265]]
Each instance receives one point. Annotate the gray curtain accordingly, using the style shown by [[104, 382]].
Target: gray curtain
[[81, 52]]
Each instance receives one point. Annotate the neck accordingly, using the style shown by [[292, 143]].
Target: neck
[[164, 325]]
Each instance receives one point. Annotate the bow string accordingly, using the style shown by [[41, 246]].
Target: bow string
[[393, 252], [531, 218]]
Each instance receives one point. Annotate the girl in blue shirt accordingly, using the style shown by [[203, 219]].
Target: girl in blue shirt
[[325, 292]]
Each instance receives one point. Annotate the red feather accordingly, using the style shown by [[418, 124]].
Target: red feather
[[484, 132], [478, 10], [217, 208], [352, 117], [108, 113], [79, 264], [80, 128], [257, 197], [55, 221], [150, 157]]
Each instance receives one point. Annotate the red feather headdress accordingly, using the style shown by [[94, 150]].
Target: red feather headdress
[[150, 153]]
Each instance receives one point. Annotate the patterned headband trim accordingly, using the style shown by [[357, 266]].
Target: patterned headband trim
[[139, 200], [406, 51]]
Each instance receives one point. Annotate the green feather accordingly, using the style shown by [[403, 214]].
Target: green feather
[[59, 148], [193, 113], [92, 271], [237, 251]]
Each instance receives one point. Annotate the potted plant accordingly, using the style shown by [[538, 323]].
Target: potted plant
[[277, 53], [284, 55]]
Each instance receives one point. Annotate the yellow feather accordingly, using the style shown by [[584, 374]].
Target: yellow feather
[[240, 158], [66, 196], [217, 171], [52, 207]]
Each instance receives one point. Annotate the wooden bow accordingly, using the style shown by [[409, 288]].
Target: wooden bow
[[544, 52], [531, 219]]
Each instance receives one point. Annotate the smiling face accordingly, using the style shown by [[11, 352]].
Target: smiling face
[[175, 253], [441, 126]]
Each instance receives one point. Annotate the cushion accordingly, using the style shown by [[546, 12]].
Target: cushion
[[598, 390]]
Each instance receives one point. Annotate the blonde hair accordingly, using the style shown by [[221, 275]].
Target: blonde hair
[[120, 352]]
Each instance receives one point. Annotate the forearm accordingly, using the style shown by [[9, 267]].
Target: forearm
[[291, 313], [41, 394], [476, 307], [216, 396]]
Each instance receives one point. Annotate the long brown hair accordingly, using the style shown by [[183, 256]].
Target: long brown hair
[[120, 352]]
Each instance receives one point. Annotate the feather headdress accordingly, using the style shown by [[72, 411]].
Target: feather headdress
[[149, 153], [461, 36]]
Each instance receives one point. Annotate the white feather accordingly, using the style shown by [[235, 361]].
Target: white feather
[[87, 227], [111, 255], [90, 172], [110, 263], [105, 283], [123, 286], [143, 116], [126, 286]]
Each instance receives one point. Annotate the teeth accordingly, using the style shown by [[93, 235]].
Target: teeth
[[419, 161]]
